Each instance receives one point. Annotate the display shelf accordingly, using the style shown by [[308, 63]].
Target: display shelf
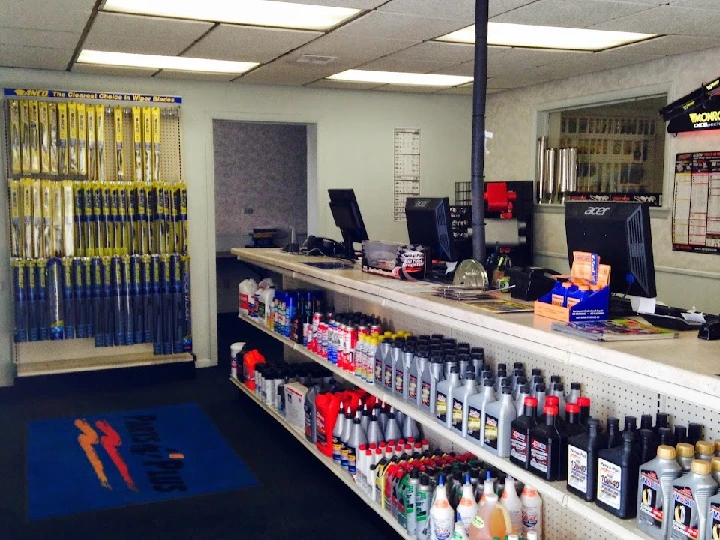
[[685, 368], [337, 471], [556, 491]]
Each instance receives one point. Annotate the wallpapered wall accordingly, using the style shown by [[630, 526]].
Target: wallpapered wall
[[263, 167]]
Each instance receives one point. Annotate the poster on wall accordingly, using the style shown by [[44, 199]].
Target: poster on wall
[[696, 209], [406, 177]]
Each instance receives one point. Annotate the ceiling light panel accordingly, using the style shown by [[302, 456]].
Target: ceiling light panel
[[178, 63], [547, 37], [396, 77], [248, 12]]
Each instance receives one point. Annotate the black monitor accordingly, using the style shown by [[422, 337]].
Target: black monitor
[[429, 224], [346, 213], [620, 234]]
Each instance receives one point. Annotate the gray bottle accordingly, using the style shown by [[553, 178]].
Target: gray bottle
[[496, 429], [461, 402], [365, 418], [692, 511], [389, 363], [655, 492], [374, 431], [522, 392], [478, 363], [357, 437], [502, 376], [444, 397], [558, 389], [464, 364], [432, 375], [383, 416], [337, 435], [408, 357], [392, 430], [345, 438], [450, 361], [518, 373], [574, 394], [414, 381], [476, 407], [381, 354], [410, 429], [713, 517], [540, 395]]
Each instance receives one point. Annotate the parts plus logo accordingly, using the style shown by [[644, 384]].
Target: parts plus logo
[[160, 464]]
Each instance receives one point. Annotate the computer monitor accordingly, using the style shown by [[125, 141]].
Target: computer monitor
[[620, 234], [429, 224], [346, 213]]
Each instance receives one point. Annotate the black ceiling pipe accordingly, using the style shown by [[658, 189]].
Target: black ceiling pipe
[[478, 131]]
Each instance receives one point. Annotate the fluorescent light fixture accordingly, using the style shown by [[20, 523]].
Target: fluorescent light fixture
[[156, 61], [250, 12], [396, 77], [547, 37]]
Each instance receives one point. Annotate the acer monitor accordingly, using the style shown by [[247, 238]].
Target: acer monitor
[[429, 224], [346, 213], [619, 232]]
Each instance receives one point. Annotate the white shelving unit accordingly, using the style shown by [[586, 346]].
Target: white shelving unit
[[550, 491], [344, 477]]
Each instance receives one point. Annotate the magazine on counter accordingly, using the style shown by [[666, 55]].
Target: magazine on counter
[[614, 330]]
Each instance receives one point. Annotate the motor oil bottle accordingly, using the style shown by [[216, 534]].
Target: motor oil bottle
[[461, 402], [431, 376], [410, 429], [392, 429], [477, 359], [574, 393], [572, 420], [704, 450], [520, 433], [414, 382], [532, 515], [662, 420], [523, 391], [345, 438], [382, 415], [680, 434], [630, 424], [685, 455], [715, 464], [695, 432], [392, 360], [327, 415], [382, 351], [558, 389], [467, 507], [583, 451], [476, 408], [357, 438], [584, 403], [498, 419], [365, 418], [402, 370], [655, 492], [540, 394], [665, 437], [337, 436], [548, 448], [464, 364], [444, 397], [648, 445], [691, 502], [618, 478], [614, 438], [442, 514], [422, 508]]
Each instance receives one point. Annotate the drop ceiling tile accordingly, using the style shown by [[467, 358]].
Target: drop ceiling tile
[[345, 46], [465, 89], [466, 69], [450, 53], [92, 69], [342, 85], [575, 14], [287, 72], [143, 35], [668, 20], [194, 76], [390, 63], [381, 24], [32, 37], [63, 15], [458, 10], [700, 4], [35, 57], [496, 7], [407, 89], [669, 45], [249, 44], [355, 4]]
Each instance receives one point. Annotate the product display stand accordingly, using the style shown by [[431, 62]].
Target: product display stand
[[342, 475], [628, 378]]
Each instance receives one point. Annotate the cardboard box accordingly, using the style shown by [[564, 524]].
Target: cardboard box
[[593, 308], [399, 261], [295, 404]]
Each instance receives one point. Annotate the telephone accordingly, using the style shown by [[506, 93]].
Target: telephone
[[319, 246]]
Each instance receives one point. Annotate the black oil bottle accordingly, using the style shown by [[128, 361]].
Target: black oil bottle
[[613, 432], [548, 448], [520, 434], [618, 470], [583, 460], [572, 420]]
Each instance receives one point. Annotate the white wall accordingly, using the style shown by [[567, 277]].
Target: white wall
[[684, 279], [354, 149]]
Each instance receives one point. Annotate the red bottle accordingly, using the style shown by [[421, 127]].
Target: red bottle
[[327, 407]]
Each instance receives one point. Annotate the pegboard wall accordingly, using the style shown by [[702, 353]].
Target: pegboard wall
[[558, 524]]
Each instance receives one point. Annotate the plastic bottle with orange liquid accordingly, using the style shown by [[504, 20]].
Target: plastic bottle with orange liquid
[[491, 521]]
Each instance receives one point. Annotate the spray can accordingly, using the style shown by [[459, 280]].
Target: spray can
[[691, 502], [655, 492]]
